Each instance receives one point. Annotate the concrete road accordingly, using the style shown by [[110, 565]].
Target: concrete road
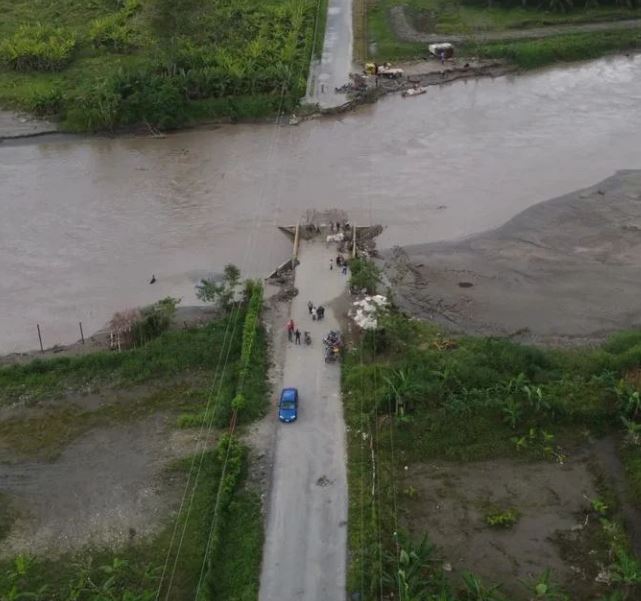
[[333, 69], [304, 554]]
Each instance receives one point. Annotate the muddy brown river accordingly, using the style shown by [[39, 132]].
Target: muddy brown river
[[84, 223]]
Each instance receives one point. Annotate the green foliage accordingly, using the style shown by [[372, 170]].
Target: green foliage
[[599, 506], [37, 48], [364, 275], [114, 32], [167, 356], [165, 64], [545, 588], [465, 399], [155, 320], [220, 292], [414, 571], [498, 518]]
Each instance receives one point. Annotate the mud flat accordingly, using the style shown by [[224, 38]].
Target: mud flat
[[14, 125], [564, 271]]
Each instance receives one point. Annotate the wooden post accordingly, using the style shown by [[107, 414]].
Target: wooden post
[[296, 243], [353, 242], [42, 350], [82, 335]]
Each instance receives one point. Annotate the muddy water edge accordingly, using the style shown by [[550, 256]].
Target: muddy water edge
[[86, 222]]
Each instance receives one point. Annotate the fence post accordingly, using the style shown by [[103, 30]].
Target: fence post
[[354, 242], [42, 350], [82, 335]]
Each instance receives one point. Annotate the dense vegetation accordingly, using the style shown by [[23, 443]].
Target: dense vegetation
[[414, 395], [105, 64], [202, 373]]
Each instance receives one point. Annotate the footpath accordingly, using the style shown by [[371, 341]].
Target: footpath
[[304, 554]]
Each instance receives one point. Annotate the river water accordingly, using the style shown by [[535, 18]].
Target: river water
[[84, 223]]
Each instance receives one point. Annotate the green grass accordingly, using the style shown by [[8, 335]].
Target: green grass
[[411, 389], [387, 45], [171, 354], [173, 373], [539, 53], [237, 574], [201, 60], [47, 432], [447, 17]]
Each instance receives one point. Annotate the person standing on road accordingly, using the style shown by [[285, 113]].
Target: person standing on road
[[331, 264], [310, 306], [297, 335], [314, 313], [290, 329], [344, 270]]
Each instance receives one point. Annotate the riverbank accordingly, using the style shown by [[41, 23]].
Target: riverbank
[[565, 271]]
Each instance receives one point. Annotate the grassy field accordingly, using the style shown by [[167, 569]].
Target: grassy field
[[531, 54], [437, 16], [414, 397], [179, 373], [440, 16], [106, 64]]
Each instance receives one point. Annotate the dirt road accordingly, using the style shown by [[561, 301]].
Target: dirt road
[[333, 68], [304, 554], [405, 31]]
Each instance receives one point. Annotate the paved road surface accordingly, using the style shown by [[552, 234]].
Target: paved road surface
[[335, 65], [406, 31], [304, 555]]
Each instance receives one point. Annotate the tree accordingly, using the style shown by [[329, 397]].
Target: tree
[[220, 292]]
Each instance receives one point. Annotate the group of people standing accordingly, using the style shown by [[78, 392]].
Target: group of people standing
[[340, 264], [317, 312], [294, 334], [337, 226]]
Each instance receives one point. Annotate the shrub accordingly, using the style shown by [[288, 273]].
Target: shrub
[[502, 518], [46, 103], [38, 48], [155, 320], [364, 275], [113, 32]]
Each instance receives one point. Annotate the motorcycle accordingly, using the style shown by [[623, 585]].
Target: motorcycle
[[332, 353]]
